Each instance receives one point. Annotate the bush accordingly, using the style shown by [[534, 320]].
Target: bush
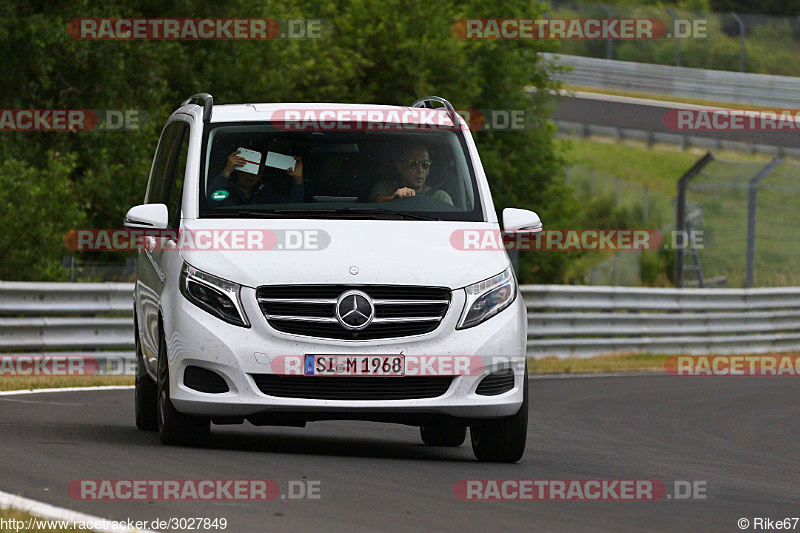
[[37, 207]]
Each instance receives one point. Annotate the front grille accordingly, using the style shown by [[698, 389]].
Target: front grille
[[309, 310], [496, 383], [204, 380], [352, 388]]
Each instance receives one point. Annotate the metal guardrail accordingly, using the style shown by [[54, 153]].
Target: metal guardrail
[[563, 321], [714, 85], [582, 321], [69, 319], [78, 333], [70, 316], [54, 299]]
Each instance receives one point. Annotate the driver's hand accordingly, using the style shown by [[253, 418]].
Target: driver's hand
[[234, 160], [404, 192]]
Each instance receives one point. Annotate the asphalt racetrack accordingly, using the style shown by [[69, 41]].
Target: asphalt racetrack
[[648, 115], [739, 437]]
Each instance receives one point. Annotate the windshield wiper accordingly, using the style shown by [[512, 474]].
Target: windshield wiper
[[230, 213], [255, 214], [378, 212]]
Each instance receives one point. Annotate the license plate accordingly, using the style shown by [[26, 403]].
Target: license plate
[[354, 365]]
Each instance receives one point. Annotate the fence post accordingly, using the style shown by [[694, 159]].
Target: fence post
[[742, 50], [645, 204], [752, 192], [680, 219], [677, 38], [609, 42]]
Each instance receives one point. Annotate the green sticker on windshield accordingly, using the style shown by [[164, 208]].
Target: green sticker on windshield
[[219, 195]]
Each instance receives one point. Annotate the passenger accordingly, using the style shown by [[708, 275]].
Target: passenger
[[413, 168], [235, 187]]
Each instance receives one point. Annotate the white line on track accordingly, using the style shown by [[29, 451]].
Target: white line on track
[[51, 512], [64, 389], [635, 101]]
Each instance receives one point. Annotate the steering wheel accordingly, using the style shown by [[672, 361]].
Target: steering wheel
[[421, 202]]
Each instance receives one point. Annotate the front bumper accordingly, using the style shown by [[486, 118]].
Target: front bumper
[[196, 338]]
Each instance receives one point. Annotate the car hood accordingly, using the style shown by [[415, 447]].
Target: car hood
[[404, 252]]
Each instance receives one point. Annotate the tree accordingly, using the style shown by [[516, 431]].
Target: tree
[[380, 51], [37, 207]]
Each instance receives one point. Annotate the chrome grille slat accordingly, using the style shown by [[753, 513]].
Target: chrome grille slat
[[409, 302], [309, 310], [320, 319], [401, 320], [321, 301]]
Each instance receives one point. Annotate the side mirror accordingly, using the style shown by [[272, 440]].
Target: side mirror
[[521, 220], [148, 216]]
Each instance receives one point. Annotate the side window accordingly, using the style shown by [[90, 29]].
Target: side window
[[159, 174], [176, 187]]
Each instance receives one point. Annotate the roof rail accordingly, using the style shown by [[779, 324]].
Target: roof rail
[[426, 101], [208, 103]]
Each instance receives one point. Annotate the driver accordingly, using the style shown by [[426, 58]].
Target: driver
[[413, 168]]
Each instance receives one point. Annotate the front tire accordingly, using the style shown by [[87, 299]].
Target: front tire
[[502, 440], [146, 391], [174, 427]]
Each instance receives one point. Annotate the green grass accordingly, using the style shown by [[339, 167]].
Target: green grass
[[659, 167], [14, 514], [605, 364], [724, 207], [594, 165], [599, 364], [44, 382]]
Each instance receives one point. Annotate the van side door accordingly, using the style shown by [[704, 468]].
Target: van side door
[[150, 277]]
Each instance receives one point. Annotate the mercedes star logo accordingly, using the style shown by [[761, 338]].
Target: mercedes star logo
[[354, 310]]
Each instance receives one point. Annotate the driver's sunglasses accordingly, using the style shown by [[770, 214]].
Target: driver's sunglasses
[[414, 163]]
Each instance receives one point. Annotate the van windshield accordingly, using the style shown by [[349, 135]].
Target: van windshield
[[256, 170]]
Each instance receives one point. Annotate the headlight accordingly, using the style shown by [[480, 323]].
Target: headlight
[[487, 298], [213, 295]]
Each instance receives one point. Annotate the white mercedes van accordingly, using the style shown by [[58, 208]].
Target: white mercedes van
[[304, 262]]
